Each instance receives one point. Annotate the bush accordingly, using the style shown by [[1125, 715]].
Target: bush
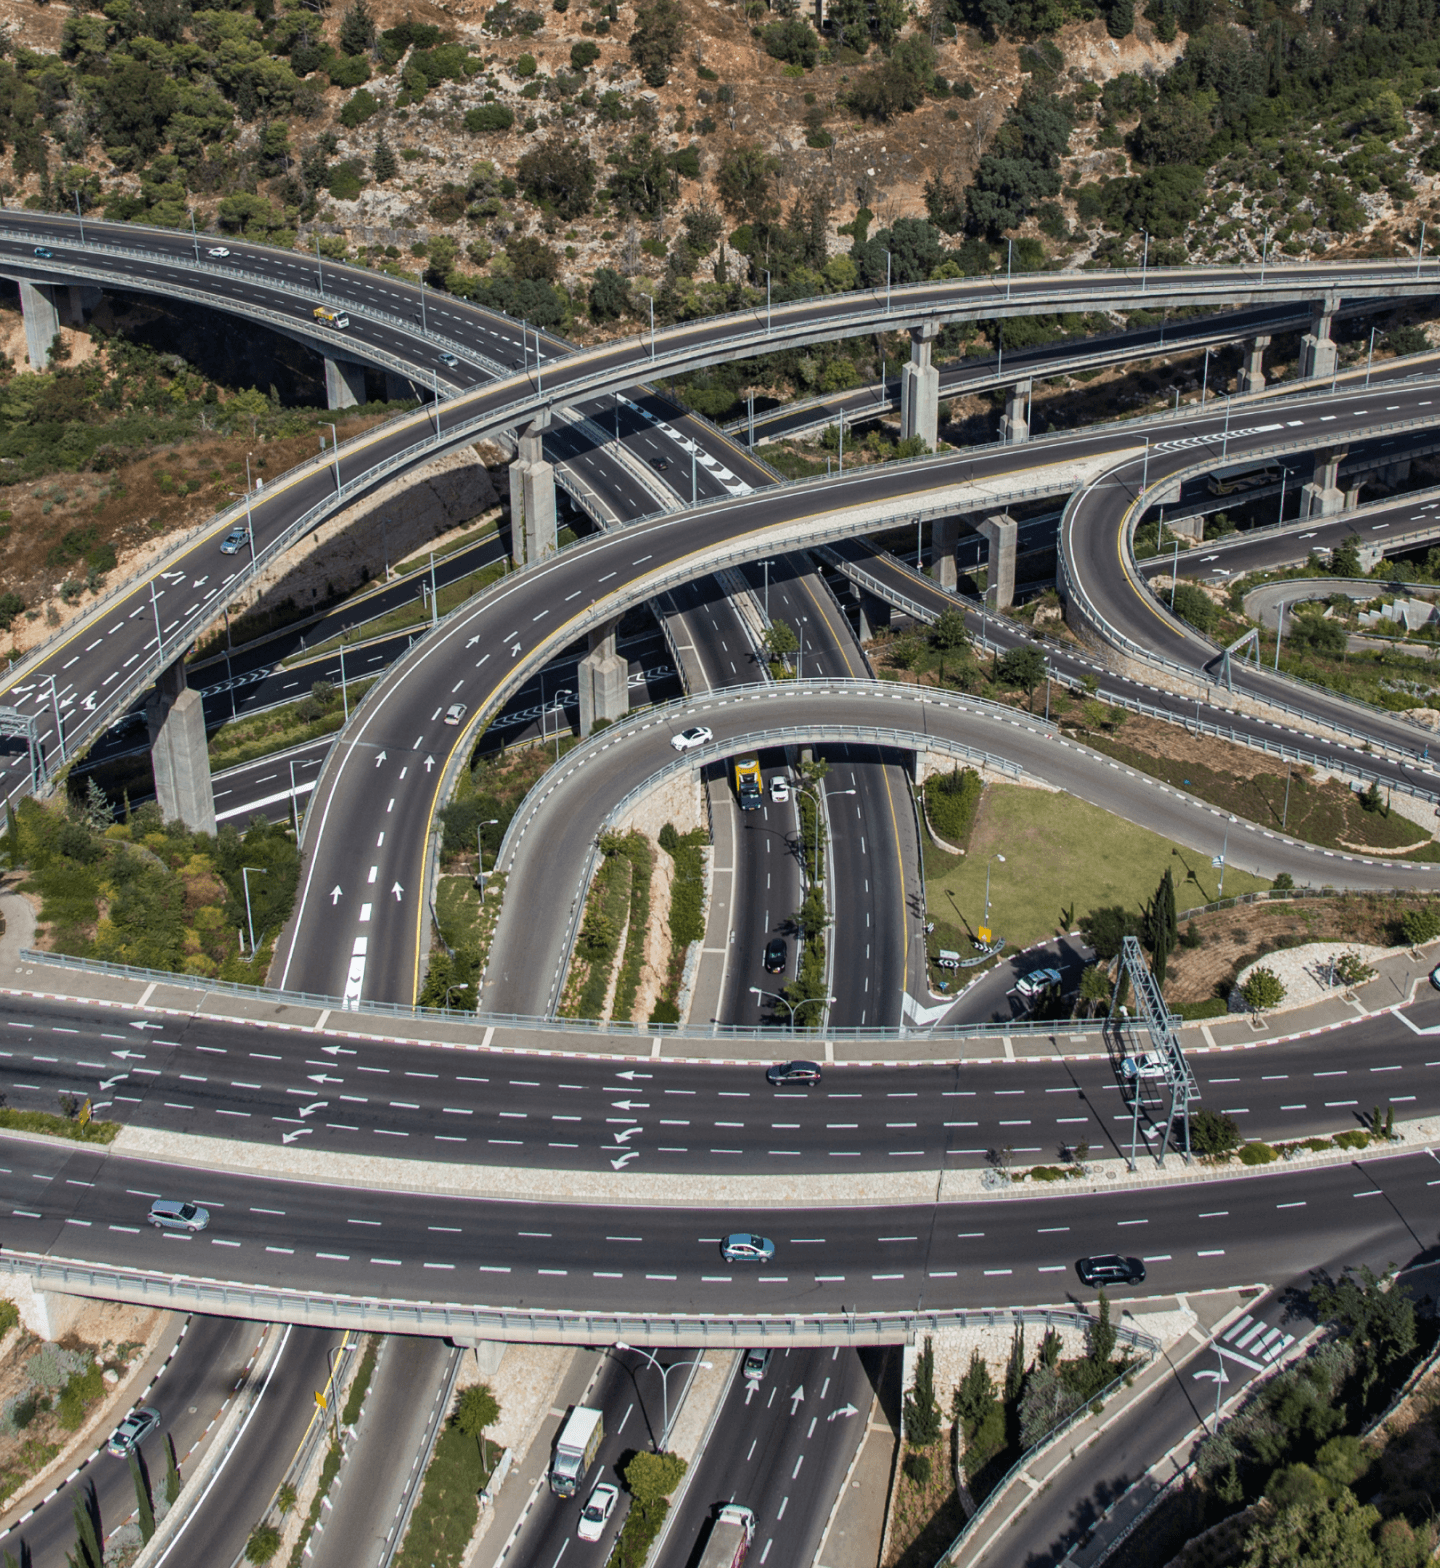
[[488, 117], [12, 606], [525, 66], [349, 71], [919, 1468], [1258, 1153], [1419, 926], [583, 54], [1212, 1133], [1192, 604], [952, 799], [792, 41], [359, 109]]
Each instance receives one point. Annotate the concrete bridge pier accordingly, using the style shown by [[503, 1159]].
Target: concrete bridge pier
[[1317, 347], [178, 754], [1191, 528], [1000, 533], [1323, 497], [398, 388], [532, 498], [920, 387], [1352, 492], [1015, 423], [42, 321], [344, 383], [1252, 372], [604, 679], [945, 537]]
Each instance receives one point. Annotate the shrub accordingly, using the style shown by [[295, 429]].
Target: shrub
[[11, 607], [349, 71], [1192, 604], [1257, 1154], [1213, 1133], [488, 117], [359, 109], [525, 66], [1419, 926], [583, 54], [952, 799], [919, 1468]]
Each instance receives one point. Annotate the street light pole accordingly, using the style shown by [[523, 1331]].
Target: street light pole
[[988, 864], [1279, 632], [664, 1380], [489, 822], [249, 918]]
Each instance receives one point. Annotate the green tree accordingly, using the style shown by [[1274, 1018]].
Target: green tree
[[1194, 605], [1161, 927], [1320, 1532], [263, 1544], [476, 1410], [383, 163], [792, 40], [172, 1472], [1419, 926], [1023, 667], [583, 54], [948, 635], [357, 30], [1212, 1133], [609, 295], [745, 181], [658, 38], [1264, 989], [1345, 558], [1105, 929], [1377, 1314], [144, 1507], [922, 1413], [558, 174], [1120, 18], [88, 1552], [1102, 1334], [1015, 1366], [1095, 987], [286, 1499], [780, 639], [649, 1477]]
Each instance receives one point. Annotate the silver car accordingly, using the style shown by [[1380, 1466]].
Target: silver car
[[167, 1214], [233, 542], [455, 712], [133, 1430]]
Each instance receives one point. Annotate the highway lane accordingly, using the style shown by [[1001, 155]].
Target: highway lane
[[420, 1102], [204, 1375], [782, 1445], [327, 1239]]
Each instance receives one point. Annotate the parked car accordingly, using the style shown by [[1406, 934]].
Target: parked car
[[688, 740], [455, 712], [784, 1074], [1110, 1268], [757, 1363], [1037, 983], [742, 1248], [597, 1510], [133, 1430], [168, 1214], [219, 252], [1435, 977], [234, 541], [777, 955], [779, 789]]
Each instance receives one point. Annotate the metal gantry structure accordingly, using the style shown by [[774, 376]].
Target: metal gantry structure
[[1173, 1077], [15, 725]]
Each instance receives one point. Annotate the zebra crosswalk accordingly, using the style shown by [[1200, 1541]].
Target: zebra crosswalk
[[1253, 1342]]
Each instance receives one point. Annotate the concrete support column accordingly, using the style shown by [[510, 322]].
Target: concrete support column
[[874, 614], [532, 498], [1000, 532], [1015, 425], [1395, 473], [1191, 528], [398, 388], [945, 537], [178, 755], [344, 383], [48, 1314], [42, 321], [604, 680], [920, 388], [1252, 372], [1322, 497], [1317, 347], [1352, 492]]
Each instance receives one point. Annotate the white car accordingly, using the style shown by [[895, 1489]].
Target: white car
[[597, 1510], [455, 712], [447, 358], [1147, 1066], [219, 252], [779, 789], [1037, 983], [688, 740]]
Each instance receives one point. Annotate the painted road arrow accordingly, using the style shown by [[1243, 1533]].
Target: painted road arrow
[[429, 763], [624, 1160], [336, 894], [632, 1075], [379, 759], [797, 1399], [397, 890], [300, 1132], [630, 1105], [309, 1110], [845, 1410]]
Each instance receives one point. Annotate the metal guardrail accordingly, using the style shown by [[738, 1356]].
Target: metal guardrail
[[476, 1024], [280, 1304]]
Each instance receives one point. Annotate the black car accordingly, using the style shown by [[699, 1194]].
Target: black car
[[777, 955], [1109, 1268], [783, 1073]]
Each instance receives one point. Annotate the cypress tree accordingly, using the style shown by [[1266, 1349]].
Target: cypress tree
[[382, 162], [144, 1508], [172, 1473]]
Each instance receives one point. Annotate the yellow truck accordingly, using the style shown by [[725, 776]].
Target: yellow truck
[[331, 318], [747, 783]]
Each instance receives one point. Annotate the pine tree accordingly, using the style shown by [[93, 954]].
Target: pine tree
[[1102, 1335], [1161, 928], [357, 30], [172, 1473], [382, 162], [922, 1414], [1015, 1369], [87, 1545]]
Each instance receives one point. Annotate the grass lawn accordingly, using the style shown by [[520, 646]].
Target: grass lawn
[[277, 729], [444, 1518], [1060, 854]]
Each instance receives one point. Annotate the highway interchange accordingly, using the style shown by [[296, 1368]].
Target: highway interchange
[[366, 1242]]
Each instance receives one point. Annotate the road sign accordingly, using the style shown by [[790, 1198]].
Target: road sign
[[321, 1400], [985, 935], [85, 1113]]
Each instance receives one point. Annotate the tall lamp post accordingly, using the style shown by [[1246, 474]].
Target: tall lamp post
[[249, 918], [988, 864], [664, 1381], [489, 822], [825, 1001]]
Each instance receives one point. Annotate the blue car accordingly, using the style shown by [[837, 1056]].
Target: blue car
[[41, 251]]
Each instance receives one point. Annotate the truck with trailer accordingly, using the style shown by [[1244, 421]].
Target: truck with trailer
[[575, 1450], [748, 783], [330, 318], [730, 1537]]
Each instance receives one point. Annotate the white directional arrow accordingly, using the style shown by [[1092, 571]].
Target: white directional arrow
[[143, 1025], [170, 577], [429, 763], [379, 759], [629, 1132], [109, 1083], [624, 1160], [752, 1387], [797, 1399], [309, 1110], [331, 1050], [472, 642], [129, 1056], [300, 1132], [845, 1410], [336, 894], [631, 1074], [515, 651], [397, 890], [630, 1105], [321, 1078]]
